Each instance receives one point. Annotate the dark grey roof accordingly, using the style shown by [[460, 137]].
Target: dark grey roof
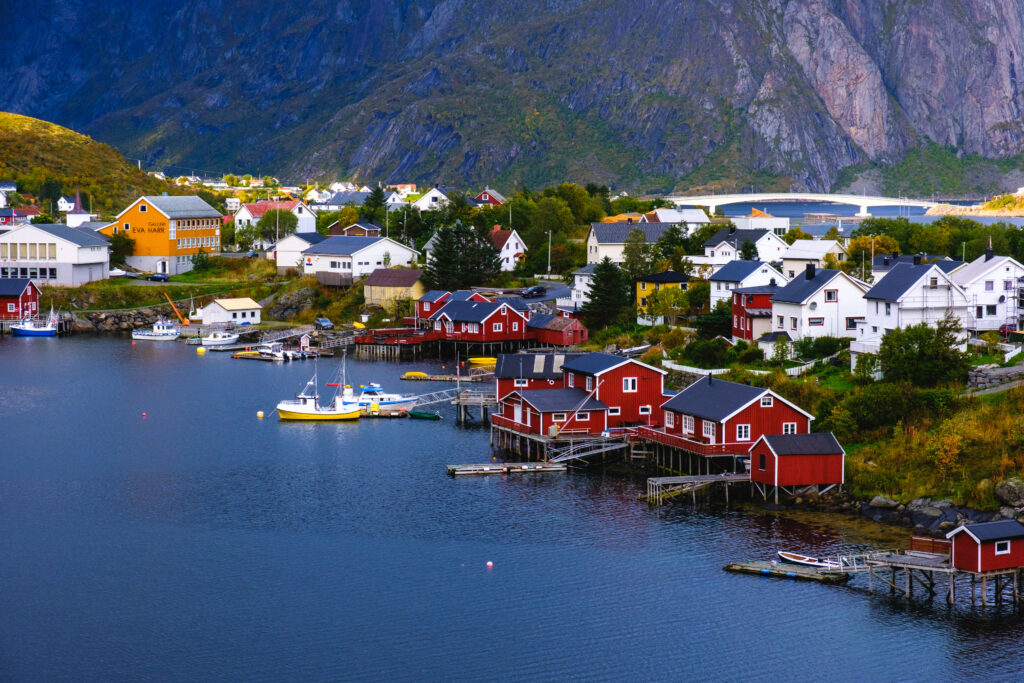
[[804, 444], [462, 294], [616, 233], [667, 276], [897, 281], [885, 261], [735, 237], [354, 198], [366, 226], [467, 311], [433, 295], [800, 288], [772, 337], [594, 363], [13, 286], [585, 270], [712, 399], [995, 531], [948, 265], [311, 237], [557, 400], [187, 206], [763, 289], [531, 365], [83, 238], [8, 186], [516, 302], [343, 245], [735, 271]]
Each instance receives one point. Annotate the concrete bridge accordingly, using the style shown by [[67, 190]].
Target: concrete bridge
[[713, 201]]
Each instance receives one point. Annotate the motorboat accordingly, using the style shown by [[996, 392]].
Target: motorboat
[[372, 398], [162, 330], [220, 338], [30, 327], [275, 350], [306, 406], [808, 561]]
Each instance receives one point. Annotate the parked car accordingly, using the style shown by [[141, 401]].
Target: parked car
[[158, 277], [252, 254], [534, 292], [323, 324], [1006, 328]]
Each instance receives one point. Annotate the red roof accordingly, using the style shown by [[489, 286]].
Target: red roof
[[30, 211], [258, 209], [499, 237]]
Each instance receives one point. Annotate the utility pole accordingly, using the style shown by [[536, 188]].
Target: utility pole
[[549, 253]]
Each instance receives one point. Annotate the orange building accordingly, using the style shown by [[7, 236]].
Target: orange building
[[168, 232]]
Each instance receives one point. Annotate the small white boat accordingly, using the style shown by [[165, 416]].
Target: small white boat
[[30, 327], [275, 350], [163, 330], [219, 338], [808, 561], [372, 398]]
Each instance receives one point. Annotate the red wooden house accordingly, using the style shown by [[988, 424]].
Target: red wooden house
[[431, 302], [19, 298], [492, 197], [556, 330], [632, 390], [713, 411], [752, 311], [781, 460], [479, 321], [518, 371], [468, 295], [988, 546], [552, 412]]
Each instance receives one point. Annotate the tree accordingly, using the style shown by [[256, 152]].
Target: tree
[[780, 350], [922, 355], [276, 223], [121, 247], [609, 296], [695, 242], [668, 302], [699, 296], [670, 241], [716, 323], [867, 366], [637, 255], [227, 234], [794, 234], [748, 251], [833, 233], [374, 205], [460, 258], [200, 260]]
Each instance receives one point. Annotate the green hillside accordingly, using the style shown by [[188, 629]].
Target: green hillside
[[47, 160]]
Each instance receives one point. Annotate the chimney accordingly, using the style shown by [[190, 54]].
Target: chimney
[[917, 259], [772, 283], [810, 271], [629, 220], [896, 255], [989, 253], [732, 228], [885, 260]]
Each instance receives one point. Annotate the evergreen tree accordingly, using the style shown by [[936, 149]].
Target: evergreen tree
[[609, 296], [637, 255], [748, 251], [442, 269], [461, 258], [373, 206], [670, 241]]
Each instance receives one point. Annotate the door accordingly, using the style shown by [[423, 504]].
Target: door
[[517, 413], [163, 266]]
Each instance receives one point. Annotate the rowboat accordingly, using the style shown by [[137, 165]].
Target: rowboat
[[423, 415], [415, 374], [483, 360], [808, 561]]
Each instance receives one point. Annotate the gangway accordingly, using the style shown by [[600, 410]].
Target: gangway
[[443, 396], [582, 449], [286, 334]]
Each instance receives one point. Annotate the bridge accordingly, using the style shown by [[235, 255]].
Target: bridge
[[713, 201]]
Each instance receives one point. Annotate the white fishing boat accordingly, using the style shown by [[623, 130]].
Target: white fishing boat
[[372, 398], [306, 406], [220, 338], [30, 327], [162, 330], [275, 350]]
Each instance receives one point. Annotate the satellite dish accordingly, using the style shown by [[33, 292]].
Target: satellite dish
[[1002, 298], [814, 305]]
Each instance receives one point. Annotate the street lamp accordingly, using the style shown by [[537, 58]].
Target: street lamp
[[549, 253]]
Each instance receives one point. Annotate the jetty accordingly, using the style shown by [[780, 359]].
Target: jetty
[[781, 570], [505, 468]]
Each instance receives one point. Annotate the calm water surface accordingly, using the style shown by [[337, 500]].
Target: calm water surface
[[200, 543]]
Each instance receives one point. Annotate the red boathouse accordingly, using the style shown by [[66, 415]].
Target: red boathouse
[[632, 390], [517, 371], [988, 546], [19, 298], [792, 460]]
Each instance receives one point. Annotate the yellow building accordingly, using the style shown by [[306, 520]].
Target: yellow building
[[386, 285], [648, 285], [168, 232]]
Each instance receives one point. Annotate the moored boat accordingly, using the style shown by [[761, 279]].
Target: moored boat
[[36, 328], [423, 415], [220, 338], [306, 406], [373, 398], [275, 350], [483, 360], [808, 561], [162, 330]]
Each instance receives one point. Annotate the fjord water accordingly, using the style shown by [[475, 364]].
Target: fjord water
[[200, 543]]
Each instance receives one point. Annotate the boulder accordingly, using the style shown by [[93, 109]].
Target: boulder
[[1011, 492], [883, 502]]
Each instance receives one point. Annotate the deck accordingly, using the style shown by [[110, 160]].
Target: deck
[[504, 468], [709, 450]]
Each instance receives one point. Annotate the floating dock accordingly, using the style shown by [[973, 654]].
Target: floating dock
[[505, 468], [450, 378], [787, 571]]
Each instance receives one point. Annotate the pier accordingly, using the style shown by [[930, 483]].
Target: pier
[[781, 570], [504, 468]]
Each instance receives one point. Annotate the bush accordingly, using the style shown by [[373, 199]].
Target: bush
[[707, 353], [818, 347]]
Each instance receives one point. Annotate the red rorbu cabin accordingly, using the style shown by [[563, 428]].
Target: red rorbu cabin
[[797, 460], [752, 311], [480, 321], [517, 371], [988, 546], [19, 298], [632, 390], [430, 303], [552, 412], [556, 330]]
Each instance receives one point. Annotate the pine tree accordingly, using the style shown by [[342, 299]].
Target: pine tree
[[442, 269], [748, 251], [609, 296], [460, 258]]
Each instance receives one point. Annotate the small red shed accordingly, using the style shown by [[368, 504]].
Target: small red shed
[[552, 411], [988, 546], [19, 298], [797, 460], [555, 330]]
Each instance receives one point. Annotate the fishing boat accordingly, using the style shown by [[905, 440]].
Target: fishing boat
[[36, 328], [423, 415], [163, 330], [373, 398], [483, 360], [306, 406], [808, 561], [274, 350], [219, 338]]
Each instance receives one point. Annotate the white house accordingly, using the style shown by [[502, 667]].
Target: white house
[[510, 246], [433, 199], [819, 303], [251, 213], [287, 253], [582, 279], [65, 204], [54, 254], [609, 239], [232, 204], [315, 195], [728, 242], [353, 257], [802, 252], [339, 200], [990, 283], [759, 220], [907, 295], [344, 186], [883, 263], [242, 311], [739, 274]]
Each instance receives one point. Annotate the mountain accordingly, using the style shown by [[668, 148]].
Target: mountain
[[33, 152], [643, 94]]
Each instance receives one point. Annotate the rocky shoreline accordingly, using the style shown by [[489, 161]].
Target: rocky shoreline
[[115, 322]]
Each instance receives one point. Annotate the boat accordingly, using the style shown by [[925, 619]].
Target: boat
[[634, 351], [415, 374], [372, 398], [306, 406], [36, 328], [423, 415], [808, 561], [483, 360], [275, 350], [163, 330], [219, 338]]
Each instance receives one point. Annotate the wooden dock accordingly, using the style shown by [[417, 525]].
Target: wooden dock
[[787, 571], [450, 378], [505, 468]]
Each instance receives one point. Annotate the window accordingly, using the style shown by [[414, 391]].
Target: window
[[888, 308], [234, 315], [782, 322], [337, 264], [11, 308], [643, 286], [831, 295], [496, 327], [142, 208], [614, 411], [515, 327], [688, 424], [558, 417], [933, 283], [762, 463], [590, 383], [851, 323], [670, 419], [1007, 285], [629, 385], [645, 410], [990, 310], [126, 227], [978, 311], [789, 427], [426, 306], [792, 323], [709, 429], [815, 321], [990, 285], [743, 432], [583, 417], [521, 383], [571, 380], [1002, 547], [767, 401]]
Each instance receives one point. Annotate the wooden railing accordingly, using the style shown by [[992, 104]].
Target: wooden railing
[[652, 434], [508, 423], [939, 546]]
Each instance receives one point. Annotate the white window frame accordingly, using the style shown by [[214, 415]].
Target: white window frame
[[645, 410], [670, 419], [515, 326], [558, 417], [687, 424], [614, 411], [590, 384], [520, 382], [571, 380], [767, 401], [708, 429], [743, 432], [426, 306], [789, 427], [496, 327], [1005, 545], [629, 385], [582, 417]]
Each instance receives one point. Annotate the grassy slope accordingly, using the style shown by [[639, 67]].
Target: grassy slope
[[32, 150]]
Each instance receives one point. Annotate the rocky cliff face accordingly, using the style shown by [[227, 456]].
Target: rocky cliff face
[[645, 93]]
